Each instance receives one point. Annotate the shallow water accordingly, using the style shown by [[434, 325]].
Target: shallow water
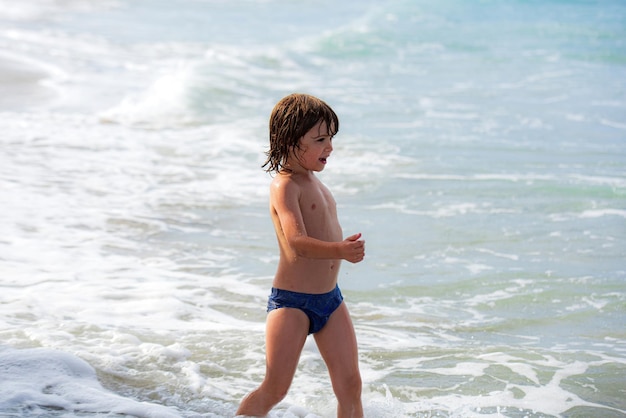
[[481, 153]]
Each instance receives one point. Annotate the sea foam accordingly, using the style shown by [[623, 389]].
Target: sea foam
[[33, 381]]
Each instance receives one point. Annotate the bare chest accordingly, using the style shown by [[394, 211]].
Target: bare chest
[[319, 211]]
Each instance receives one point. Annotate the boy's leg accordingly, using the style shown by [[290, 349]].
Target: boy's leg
[[286, 332], [338, 346]]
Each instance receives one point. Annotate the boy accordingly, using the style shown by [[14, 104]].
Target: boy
[[305, 298]]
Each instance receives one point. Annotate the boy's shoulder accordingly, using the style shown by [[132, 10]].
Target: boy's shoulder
[[284, 183], [289, 183]]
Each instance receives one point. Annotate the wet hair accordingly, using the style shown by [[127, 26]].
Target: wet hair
[[292, 117]]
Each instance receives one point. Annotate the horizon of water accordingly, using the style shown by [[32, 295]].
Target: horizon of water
[[481, 152]]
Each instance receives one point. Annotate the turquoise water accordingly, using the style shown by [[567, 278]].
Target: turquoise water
[[481, 152]]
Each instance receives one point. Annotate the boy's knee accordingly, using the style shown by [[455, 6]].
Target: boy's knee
[[355, 384], [350, 386]]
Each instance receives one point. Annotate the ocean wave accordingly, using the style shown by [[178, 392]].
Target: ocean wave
[[45, 382], [43, 9]]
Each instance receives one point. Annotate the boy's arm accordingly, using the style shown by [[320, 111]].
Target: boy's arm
[[284, 196]]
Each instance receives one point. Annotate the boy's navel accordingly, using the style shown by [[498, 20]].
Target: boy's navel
[[313, 206]]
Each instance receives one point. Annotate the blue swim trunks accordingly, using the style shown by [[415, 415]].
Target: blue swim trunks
[[318, 307]]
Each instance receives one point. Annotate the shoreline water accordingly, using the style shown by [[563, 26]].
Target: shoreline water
[[481, 153], [22, 85]]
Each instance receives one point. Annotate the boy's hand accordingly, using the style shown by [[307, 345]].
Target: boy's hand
[[353, 249]]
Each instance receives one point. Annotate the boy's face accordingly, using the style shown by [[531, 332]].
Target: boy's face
[[315, 148]]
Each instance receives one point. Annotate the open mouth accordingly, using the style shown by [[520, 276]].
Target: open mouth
[[323, 160]]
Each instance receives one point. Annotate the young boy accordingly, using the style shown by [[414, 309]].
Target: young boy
[[305, 298]]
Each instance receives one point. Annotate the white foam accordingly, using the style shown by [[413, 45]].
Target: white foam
[[597, 213], [515, 364], [618, 182], [514, 257], [451, 115], [32, 379], [528, 177], [41, 9], [163, 104], [549, 398], [445, 210], [614, 124]]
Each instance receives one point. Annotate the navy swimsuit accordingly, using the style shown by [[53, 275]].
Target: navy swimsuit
[[318, 307]]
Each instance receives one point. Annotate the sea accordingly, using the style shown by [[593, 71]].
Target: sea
[[481, 153]]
